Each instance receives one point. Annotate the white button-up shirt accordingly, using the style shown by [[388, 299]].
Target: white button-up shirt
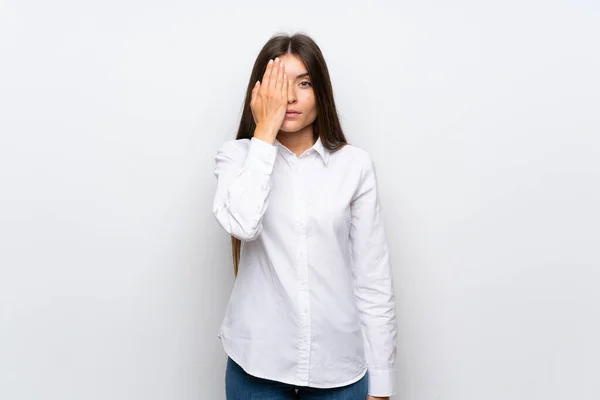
[[313, 302]]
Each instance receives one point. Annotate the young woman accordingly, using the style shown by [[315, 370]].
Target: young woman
[[312, 311]]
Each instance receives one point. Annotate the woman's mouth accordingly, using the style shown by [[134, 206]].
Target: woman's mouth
[[291, 114]]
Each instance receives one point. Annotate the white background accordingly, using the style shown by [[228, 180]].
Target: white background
[[483, 119]]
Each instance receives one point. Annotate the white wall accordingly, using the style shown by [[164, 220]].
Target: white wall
[[483, 120]]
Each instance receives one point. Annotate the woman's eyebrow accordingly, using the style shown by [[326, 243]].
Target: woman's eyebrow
[[302, 75]]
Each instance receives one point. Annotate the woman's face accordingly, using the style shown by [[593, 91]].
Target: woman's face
[[301, 96]]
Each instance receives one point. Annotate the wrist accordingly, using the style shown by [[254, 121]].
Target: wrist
[[266, 133]]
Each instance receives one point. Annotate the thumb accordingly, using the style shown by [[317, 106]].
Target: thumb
[[255, 89]]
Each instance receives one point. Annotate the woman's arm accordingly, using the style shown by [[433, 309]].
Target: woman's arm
[[373, 284], [243, 187], [244, 179]]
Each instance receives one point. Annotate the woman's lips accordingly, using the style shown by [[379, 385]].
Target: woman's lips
[[291, 114]]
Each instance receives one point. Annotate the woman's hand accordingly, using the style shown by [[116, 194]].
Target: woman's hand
[[269, 101]]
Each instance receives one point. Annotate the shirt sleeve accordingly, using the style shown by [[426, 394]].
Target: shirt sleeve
[[243, 187], [373, 284]]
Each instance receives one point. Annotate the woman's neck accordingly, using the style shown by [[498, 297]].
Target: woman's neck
[[297, 142]]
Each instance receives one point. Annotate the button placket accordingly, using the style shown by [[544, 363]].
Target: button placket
[[302, 274]]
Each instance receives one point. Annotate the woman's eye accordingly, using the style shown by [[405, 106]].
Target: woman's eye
[[309, 84]]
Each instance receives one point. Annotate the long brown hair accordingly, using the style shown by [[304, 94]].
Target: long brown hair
[[327, 124]]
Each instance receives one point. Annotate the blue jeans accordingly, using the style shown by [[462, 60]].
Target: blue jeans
[[239, 385]]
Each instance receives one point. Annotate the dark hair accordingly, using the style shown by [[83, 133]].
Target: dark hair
[[326, 125]]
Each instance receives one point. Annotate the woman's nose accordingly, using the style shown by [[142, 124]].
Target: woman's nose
[[291, 94]]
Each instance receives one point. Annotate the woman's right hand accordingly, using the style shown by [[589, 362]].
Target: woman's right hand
[[269, 101]]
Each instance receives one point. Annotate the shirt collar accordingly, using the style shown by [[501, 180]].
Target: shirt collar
[[318, 147]]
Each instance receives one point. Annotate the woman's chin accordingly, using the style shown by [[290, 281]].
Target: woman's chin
[[292, 126], [289, 127]]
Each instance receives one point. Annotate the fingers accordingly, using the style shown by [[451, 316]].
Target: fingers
[[274, 79], [266, 76], [280, 76], [273, 76]]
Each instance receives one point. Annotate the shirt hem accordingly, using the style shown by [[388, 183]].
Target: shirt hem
[[242, 363]]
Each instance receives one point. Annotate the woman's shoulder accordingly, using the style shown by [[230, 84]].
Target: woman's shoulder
[[235, 144], [233, 148], [353, 154]]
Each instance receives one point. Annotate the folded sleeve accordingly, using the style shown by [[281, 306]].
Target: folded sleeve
[[373, 283], [243, 186]]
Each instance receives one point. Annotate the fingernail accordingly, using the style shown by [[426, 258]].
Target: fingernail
[[276, 58], [270, 61]]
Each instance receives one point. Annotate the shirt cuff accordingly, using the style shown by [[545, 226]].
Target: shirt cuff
[[261, 156], [382, 383]]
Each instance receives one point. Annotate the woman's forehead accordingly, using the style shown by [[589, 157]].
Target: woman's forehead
[[293, 65]]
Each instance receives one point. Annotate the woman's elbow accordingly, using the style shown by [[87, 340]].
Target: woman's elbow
[[246, 231]]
